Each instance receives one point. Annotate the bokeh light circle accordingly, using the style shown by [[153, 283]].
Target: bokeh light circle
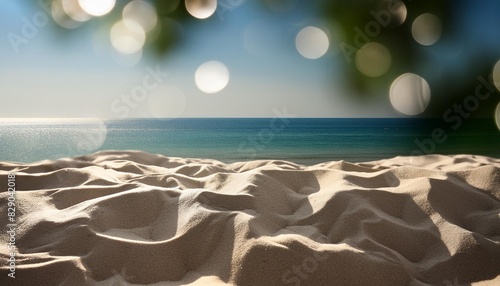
[[61, 18], [312, 42], [74, 11], [497, 116], [127, 38], [201, 9], [390, 13], [93, 137], [426, 29], [97, 7], [142, 13], [496, 75], [410, 94], [373, 59], [166, 102], [212, 77]]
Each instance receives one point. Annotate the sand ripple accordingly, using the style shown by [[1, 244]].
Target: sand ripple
[[127, 218]]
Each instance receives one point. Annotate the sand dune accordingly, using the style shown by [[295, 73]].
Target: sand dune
[[132, 218]]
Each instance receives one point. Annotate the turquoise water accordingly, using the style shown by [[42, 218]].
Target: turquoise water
[[303, 140]]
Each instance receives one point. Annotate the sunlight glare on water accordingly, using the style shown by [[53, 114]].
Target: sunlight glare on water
[[410, 94], [61, 137], [201, 9], [91, 137]]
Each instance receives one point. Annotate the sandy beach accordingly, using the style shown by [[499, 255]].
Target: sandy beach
[[134, 218]]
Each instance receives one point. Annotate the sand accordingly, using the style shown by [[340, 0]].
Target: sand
[[133, 218]]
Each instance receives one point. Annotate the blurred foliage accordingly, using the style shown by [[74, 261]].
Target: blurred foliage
[[449, 86], [169, 35], [356, 16]]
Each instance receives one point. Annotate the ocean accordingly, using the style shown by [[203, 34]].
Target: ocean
[[300, 140]]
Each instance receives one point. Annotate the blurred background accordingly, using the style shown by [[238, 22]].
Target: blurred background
[[370, 58], [121, 59], [83, 58]]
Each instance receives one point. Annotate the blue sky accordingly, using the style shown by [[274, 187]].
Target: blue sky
[[54, 76], [69, 75]]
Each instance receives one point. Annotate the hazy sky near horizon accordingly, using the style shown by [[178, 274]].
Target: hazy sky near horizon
[[79, 74]]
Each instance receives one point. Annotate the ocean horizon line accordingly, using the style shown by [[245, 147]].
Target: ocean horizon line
[[304, 140], [213, 117]]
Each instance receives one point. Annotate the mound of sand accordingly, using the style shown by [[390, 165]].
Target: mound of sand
[[133, 218]]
